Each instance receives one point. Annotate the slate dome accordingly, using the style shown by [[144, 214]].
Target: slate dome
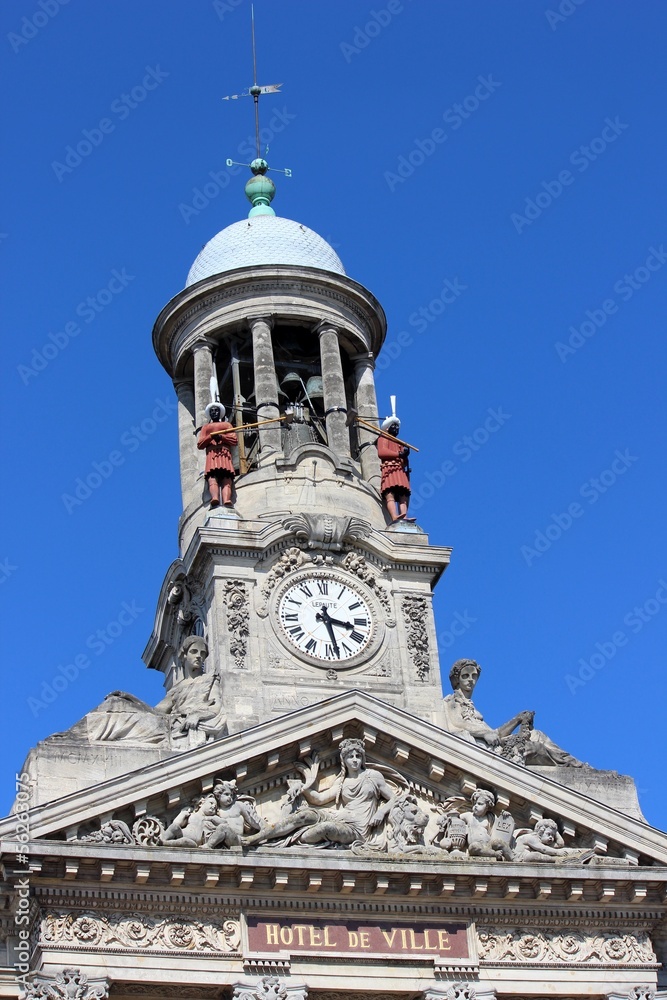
[[264, 239]]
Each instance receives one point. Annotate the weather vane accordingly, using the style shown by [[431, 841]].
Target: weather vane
[[258, 165]]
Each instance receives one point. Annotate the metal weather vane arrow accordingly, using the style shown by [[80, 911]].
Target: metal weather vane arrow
[[259, 165]]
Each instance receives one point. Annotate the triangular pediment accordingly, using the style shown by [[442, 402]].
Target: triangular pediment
[[436, 772]]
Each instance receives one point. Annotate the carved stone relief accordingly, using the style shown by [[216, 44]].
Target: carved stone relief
[[563, 946], [235, 598], [139, 931], [269, 988], [415, 613], [185, 610], [291, 560], [365, 807], [326, 531], [70, 984], [358, 566]]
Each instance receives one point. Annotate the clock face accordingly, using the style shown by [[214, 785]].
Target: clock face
[[325, 618]]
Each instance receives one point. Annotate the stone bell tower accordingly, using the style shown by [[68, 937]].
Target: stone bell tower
[[270, 321]]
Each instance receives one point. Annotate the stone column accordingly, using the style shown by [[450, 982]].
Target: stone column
[[266, 386], [366, 405], [333, 383], [203, 359], [187, 440]]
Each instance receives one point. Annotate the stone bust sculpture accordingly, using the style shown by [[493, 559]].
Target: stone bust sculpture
[[528, 745]]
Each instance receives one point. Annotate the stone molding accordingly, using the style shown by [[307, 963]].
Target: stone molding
[[69, 984], [564, 946]]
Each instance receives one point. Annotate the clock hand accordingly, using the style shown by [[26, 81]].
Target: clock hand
[[323, 616], [336, 621]]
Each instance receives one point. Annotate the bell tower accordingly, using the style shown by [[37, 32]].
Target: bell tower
[[303, 587]]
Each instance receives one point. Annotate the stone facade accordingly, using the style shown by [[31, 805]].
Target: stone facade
[[304, 815]]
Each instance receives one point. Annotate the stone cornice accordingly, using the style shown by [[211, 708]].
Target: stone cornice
[[289, 292]]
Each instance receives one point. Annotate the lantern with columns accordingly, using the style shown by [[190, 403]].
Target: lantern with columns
[[269, 317]]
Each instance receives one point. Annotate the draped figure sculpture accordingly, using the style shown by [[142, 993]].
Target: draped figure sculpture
[[528, 745], [360, 796]]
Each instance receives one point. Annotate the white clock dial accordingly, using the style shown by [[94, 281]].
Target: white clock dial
[[325, 618]]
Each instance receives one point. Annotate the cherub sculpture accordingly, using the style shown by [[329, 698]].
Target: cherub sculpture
[[475, 829]]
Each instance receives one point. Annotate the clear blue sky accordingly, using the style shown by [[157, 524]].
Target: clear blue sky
[[495, 174]]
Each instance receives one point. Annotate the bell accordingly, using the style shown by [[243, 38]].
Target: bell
[[314, 388], [291, 384]]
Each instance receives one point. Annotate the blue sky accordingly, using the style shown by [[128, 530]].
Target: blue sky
[[495, 174]]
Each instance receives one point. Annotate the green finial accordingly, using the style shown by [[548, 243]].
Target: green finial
[[260, 189]]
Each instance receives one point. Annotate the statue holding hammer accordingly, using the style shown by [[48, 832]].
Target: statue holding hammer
[[218, 437], [395, 471]]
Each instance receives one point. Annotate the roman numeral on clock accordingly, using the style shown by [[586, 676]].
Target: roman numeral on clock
[[323, 586], [311, 646], [357, 636]]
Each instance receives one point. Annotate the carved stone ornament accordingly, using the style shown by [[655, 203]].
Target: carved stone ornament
[[185, 609], [326, 531], [563, 946], [415, 613], [358, 566], [269, 988], [235, 598], [459, 991], [70, 984], [291, 560], [217, 820], [138, 932]]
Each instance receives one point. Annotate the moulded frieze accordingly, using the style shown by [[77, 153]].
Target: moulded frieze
[[140, 932], [563, 946]]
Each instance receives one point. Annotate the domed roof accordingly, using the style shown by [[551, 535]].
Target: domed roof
[[264, 239]]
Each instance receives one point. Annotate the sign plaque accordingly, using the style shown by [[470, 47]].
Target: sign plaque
[[396, 939]]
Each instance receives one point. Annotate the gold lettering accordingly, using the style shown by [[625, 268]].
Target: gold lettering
[[365, 939], [427, 946], [286, 935], [300, 931], [327, 942], [272, 933], [443, 941], [353, 939], [404, 935], [315, 940], [414, 945], [389, 938]]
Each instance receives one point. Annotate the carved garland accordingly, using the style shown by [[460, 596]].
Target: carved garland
[[295, 558], [415, 612], [235, 598], [94, 930], [563, 946]]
